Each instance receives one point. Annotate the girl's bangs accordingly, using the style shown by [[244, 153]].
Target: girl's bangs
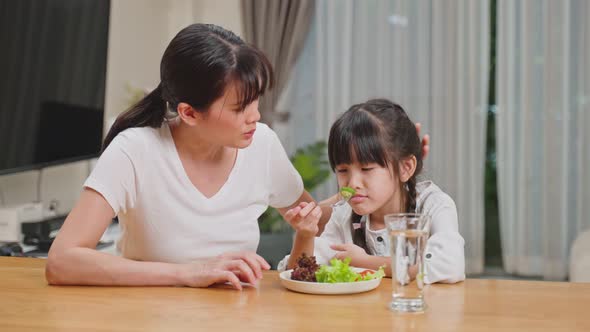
[[355, 137]]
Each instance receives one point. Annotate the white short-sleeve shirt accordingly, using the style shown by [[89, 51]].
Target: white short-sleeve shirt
[[165, 218], [444, 256]]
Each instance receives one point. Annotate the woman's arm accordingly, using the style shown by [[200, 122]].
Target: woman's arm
[[301, 245], [304, 217], [310, 244], [72, 259]]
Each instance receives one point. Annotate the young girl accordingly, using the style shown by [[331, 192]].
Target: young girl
[[374, 148]]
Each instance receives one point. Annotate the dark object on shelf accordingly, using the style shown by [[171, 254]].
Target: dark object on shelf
[[39, 233], [11, 249]]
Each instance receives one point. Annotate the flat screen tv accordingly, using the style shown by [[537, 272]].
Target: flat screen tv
[[52, 85]]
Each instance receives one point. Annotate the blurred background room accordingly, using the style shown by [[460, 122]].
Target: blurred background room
[[502, 87]]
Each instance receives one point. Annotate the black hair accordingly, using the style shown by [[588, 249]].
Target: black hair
[[377, 131], [197, 67]]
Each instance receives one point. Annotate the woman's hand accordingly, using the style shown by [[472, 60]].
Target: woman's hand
[[358, 255], [254, 261], [304, 218], [230, 267], [425, 141]]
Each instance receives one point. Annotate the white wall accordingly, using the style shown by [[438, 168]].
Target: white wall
[[139, 31], [226, 13], [18, 188]]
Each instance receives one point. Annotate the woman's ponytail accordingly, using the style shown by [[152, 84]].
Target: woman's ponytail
[[148, 112]]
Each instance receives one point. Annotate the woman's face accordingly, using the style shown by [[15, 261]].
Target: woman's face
[[225, 123], [376, 187]]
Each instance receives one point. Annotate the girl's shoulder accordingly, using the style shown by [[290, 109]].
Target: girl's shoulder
[[431, 196], [439, 206]]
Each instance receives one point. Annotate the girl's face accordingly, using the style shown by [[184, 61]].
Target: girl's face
[[226, 124], [377, 187]]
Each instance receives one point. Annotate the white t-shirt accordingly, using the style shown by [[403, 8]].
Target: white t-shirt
[[165, 218], [444, 256]]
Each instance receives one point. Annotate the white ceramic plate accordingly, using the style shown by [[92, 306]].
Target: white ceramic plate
[[326, 288]]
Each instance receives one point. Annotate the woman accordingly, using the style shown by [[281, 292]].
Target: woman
[[187, 188]]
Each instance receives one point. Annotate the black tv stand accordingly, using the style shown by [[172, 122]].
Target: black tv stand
[[38, 234]]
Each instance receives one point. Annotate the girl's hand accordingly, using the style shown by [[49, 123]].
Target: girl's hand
[[230, 267], [357, 254], [304, 218]]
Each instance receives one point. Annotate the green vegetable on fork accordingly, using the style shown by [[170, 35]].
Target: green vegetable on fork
[[346, 193]]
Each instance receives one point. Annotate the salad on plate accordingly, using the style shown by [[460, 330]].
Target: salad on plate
[[338, 271], [336, 278]]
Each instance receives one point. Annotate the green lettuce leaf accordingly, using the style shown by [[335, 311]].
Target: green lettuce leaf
[[340, 271]]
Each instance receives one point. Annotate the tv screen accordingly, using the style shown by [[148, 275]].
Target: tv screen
[[53, 67]]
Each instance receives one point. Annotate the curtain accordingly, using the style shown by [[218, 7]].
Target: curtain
[[279, 29], [431, 57], [543, 143]]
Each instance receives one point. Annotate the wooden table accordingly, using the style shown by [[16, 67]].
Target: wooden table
[[29, 304]]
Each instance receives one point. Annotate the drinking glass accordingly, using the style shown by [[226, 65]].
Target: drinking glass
[[408, 233]]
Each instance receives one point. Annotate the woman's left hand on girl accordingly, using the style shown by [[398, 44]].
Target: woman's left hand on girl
[[357, 254]]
